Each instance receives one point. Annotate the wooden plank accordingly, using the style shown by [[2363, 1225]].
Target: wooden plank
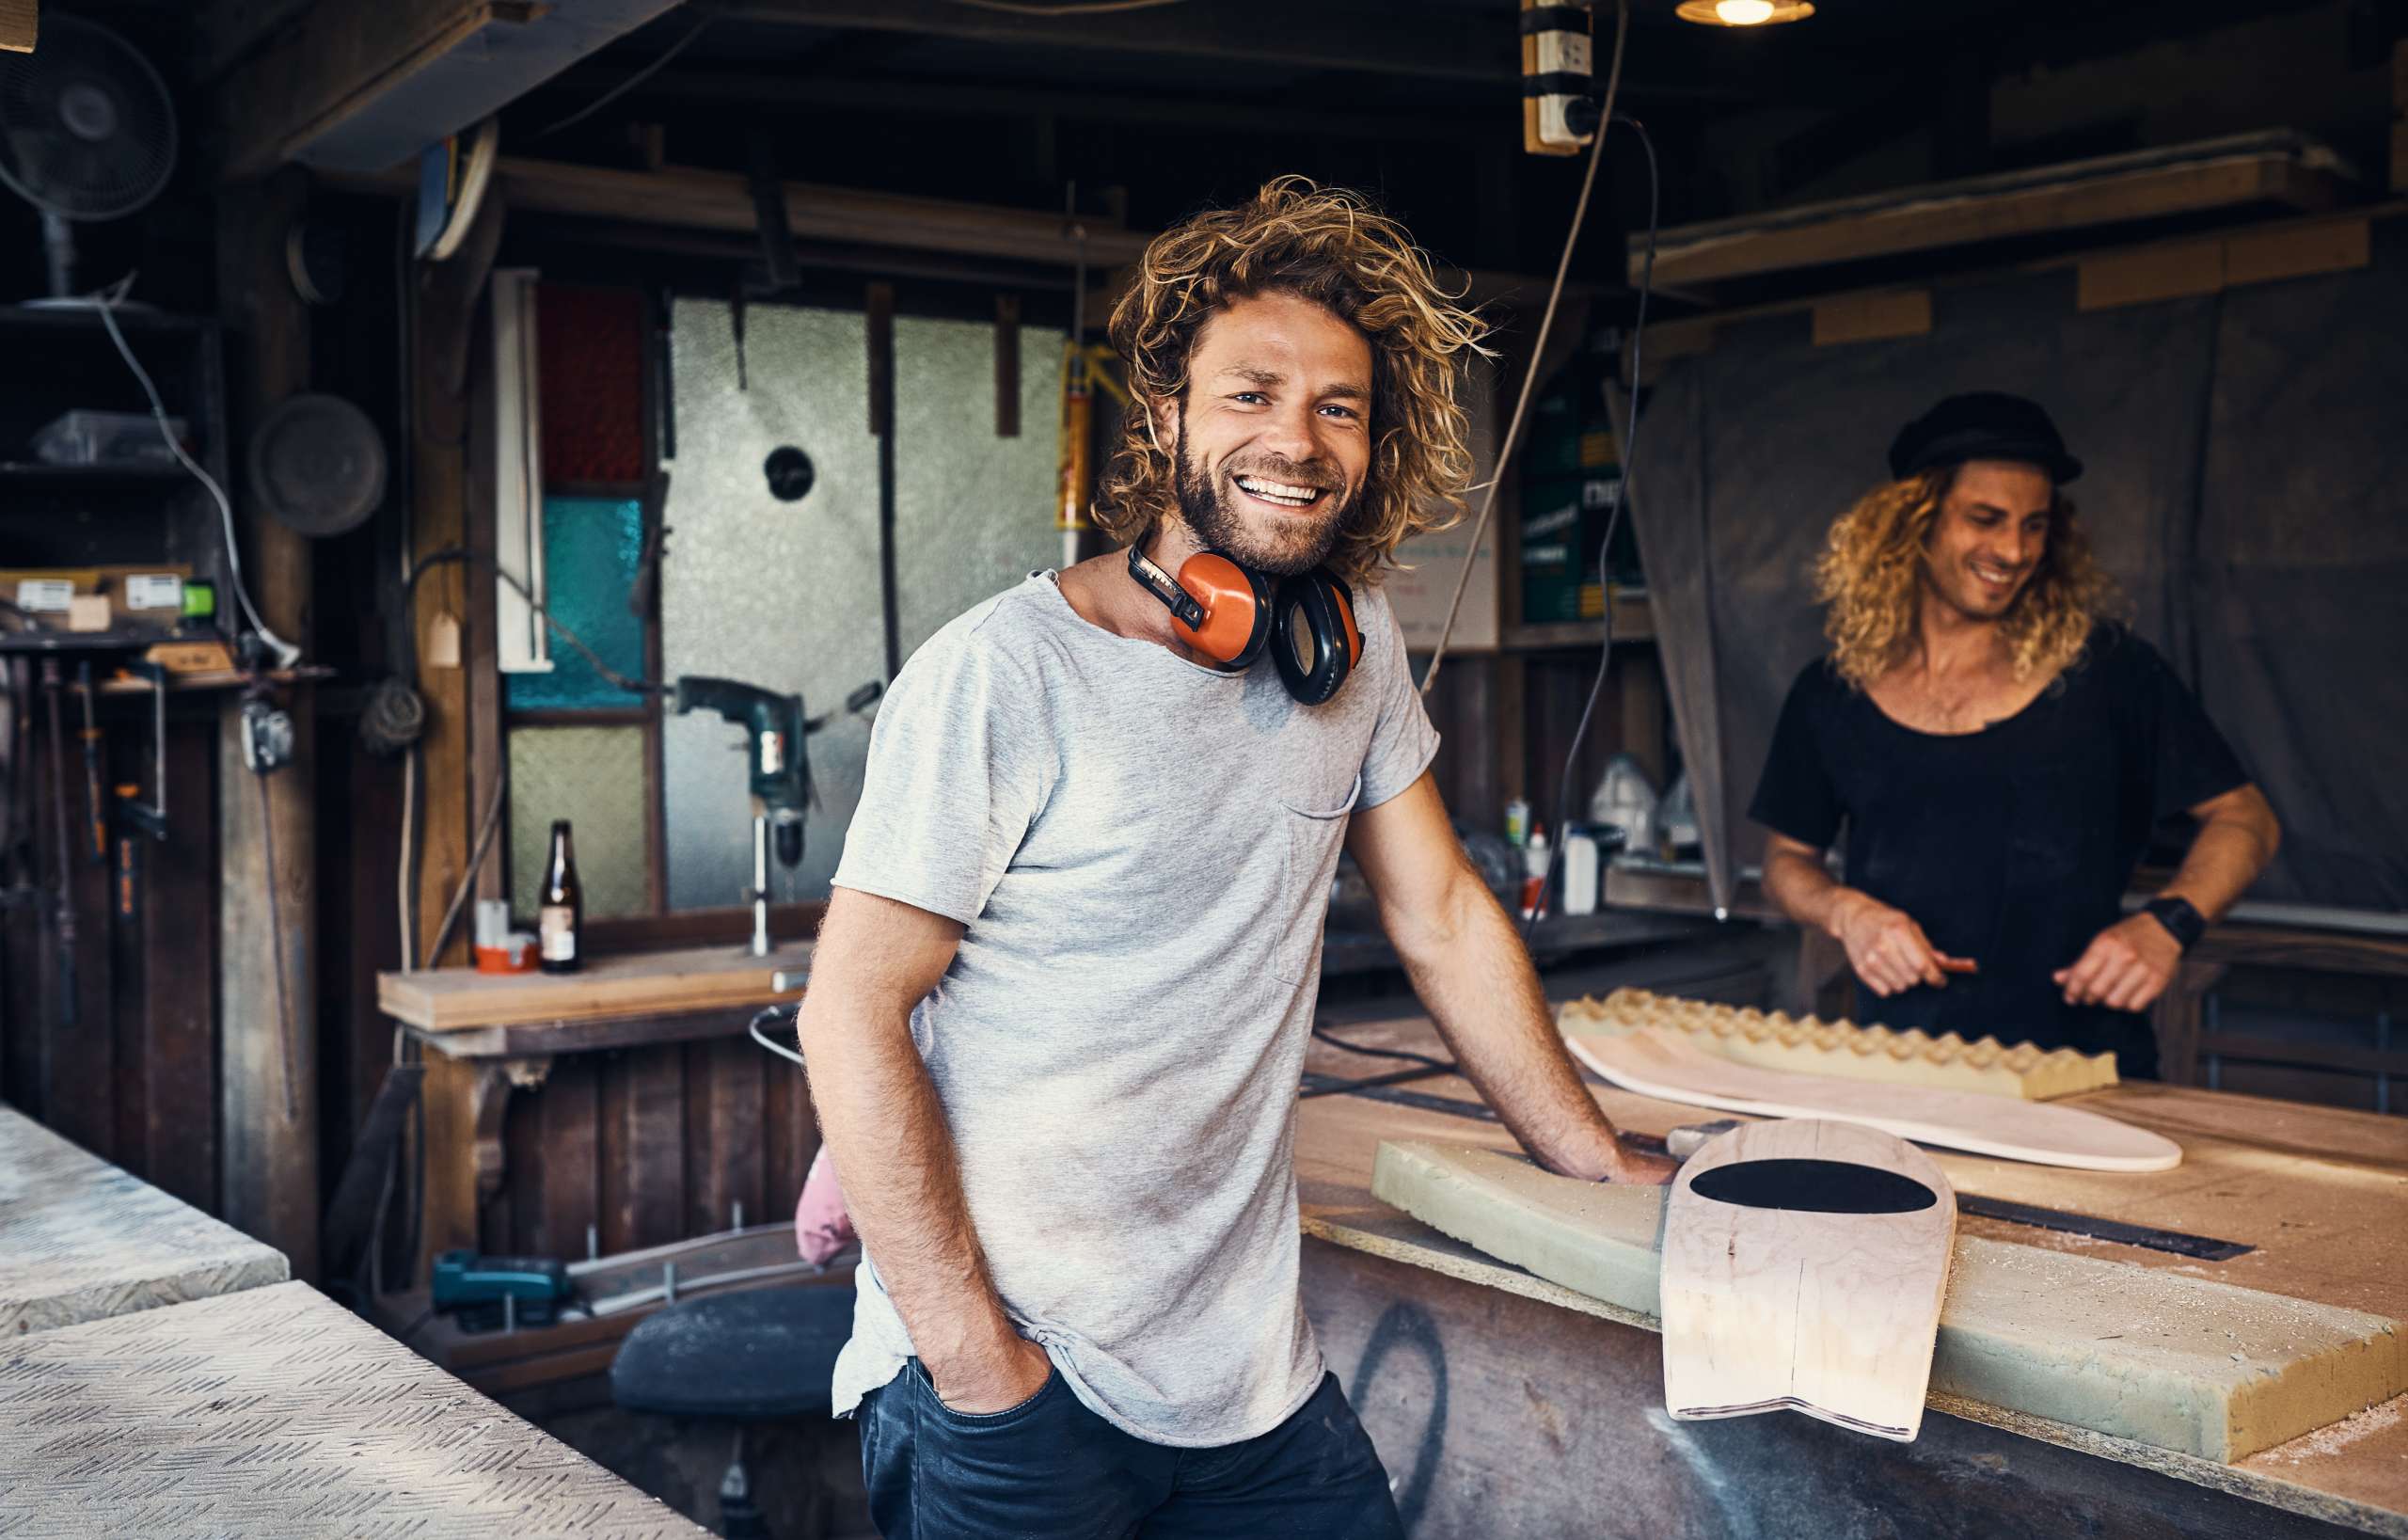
[[569, 1107], [179, 929], [331, 63], [655, 1145], [81, 1239], [448, 1161], [650, 983], [2144, 276], [2299, 250], [729, 925], [1007, 366], [19, 25], [1356, 36], [2085, 195], [1655, 1062], [1820, 1292], [164, 1412], [267, 917], [1873, 317], [2157, 1357], [545, 1038], [727, 1085]]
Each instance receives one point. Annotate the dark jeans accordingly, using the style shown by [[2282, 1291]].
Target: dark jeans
[[1051, 1470]]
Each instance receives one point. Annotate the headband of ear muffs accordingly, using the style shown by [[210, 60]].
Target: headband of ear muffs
[[1314, 640]]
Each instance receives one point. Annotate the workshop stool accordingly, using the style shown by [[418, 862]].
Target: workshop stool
[[753, 1355]]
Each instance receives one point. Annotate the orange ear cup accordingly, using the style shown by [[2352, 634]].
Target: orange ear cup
[[1237, 609]]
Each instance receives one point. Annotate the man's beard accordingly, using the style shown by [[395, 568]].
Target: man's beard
[[1204, 503]]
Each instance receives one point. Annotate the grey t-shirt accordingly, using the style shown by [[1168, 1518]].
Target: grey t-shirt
[[1140, 849]]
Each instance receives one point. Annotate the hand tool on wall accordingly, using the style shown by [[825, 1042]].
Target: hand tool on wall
[[93, 806], [63, 912]]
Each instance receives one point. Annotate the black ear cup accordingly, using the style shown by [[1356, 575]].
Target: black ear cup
[[1314, 641]]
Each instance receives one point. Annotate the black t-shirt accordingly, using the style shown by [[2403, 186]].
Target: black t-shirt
[[2012, 846]]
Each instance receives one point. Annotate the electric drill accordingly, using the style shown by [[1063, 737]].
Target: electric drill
[[780, 776]]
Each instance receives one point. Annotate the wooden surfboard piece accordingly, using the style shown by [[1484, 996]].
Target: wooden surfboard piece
[[1657, 1063], [1804, 1263]]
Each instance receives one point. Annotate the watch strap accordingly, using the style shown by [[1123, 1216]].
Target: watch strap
[[2183, 922]]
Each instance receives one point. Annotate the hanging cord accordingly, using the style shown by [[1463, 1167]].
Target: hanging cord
[[285, 653], [1538, 350], [1614, 519], [463, 554], [633, 81]]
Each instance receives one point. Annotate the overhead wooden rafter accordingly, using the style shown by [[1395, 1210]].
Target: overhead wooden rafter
[[17, 25], [365, 87]]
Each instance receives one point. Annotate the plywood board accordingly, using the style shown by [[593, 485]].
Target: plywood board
[[2152, 1356], [1654, 1062], [81, 1239], [628, 984], [276, 1413], [1805, 1273]]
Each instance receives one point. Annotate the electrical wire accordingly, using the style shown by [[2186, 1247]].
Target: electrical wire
[[476, 862], [1538, 349], [1613, 512], [1424, 1066], [286, 654], [622, 87], [467, 557]]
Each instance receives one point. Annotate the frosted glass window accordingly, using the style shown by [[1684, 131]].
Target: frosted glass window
[[594, 777], [786, 595]]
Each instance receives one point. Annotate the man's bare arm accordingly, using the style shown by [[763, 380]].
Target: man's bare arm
[[2128, 965], [1885, 945], [1474, 975], [876, 959]]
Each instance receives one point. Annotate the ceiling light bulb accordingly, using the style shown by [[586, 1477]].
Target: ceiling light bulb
[[1743, 12]]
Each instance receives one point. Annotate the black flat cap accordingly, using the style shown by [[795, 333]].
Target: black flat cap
[[1982, 426]]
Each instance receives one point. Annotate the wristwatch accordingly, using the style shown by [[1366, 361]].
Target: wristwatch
[[2185, 924]]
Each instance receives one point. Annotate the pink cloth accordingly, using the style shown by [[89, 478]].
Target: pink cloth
[[821, 1226]]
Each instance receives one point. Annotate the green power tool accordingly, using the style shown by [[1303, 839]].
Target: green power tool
[[780, 776]]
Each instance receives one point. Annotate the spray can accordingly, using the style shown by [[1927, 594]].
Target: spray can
[[1518, 823]]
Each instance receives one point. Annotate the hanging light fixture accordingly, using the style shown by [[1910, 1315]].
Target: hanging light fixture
[[1744, 12]]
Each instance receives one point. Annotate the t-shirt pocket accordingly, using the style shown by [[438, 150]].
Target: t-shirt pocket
[[1314, 835]]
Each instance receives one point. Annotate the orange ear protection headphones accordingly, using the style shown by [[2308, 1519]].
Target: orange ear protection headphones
[[1229, 614]]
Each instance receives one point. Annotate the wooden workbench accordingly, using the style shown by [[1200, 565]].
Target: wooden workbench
[[274, 1413], [81, 1239], [1466, 1370], [488, 1037]]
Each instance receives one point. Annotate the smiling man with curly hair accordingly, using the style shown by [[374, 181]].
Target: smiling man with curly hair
[[1058, 1009], [1999, 751]]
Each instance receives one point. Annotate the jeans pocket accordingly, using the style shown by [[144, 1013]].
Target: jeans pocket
[[1005, 1418]]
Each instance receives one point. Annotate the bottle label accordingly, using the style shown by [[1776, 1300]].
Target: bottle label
[[558, 923]]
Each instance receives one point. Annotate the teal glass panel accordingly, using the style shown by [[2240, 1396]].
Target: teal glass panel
[[591, 547]]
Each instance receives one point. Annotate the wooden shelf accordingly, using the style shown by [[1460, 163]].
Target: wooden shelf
[[692, 979], [133, 475], [1634, 620]]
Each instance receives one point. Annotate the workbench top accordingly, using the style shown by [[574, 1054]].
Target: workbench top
[[2319, 1195], [81, 1239], [693, 979], [274, 1413]]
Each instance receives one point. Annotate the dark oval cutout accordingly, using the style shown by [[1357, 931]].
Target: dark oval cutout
[[1813, 1186]]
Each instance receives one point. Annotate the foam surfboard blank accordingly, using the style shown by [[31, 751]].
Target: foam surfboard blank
[[2176, 1363], [1803, 1266], [1655, 1062]]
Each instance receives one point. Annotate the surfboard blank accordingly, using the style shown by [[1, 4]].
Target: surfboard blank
[[1832, 1313], [1654, 1062]]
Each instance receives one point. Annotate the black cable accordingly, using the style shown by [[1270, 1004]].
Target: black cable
[[1406, 1054], [1614, 519], [633, 81], [463, 554]]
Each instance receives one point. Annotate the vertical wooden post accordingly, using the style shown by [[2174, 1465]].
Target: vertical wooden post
[[268, 1091]]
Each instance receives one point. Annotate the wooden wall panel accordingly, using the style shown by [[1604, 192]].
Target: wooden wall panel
[[135, 1080]]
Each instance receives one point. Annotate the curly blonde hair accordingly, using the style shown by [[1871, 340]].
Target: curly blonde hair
[[1333, 247], [1869, 578]]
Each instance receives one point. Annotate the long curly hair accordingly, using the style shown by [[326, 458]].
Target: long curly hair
[[1331, 247], [1869, 578]]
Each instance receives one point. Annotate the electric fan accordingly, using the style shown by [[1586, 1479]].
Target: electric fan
[[86, 133]]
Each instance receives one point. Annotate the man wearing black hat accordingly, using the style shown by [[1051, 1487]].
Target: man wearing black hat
[[1999, 753]]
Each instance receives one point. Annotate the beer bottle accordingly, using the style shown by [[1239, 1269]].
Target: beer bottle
[[560, 922]]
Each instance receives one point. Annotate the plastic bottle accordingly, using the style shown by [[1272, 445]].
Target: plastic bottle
[[1534, 870], [1580, 872]]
